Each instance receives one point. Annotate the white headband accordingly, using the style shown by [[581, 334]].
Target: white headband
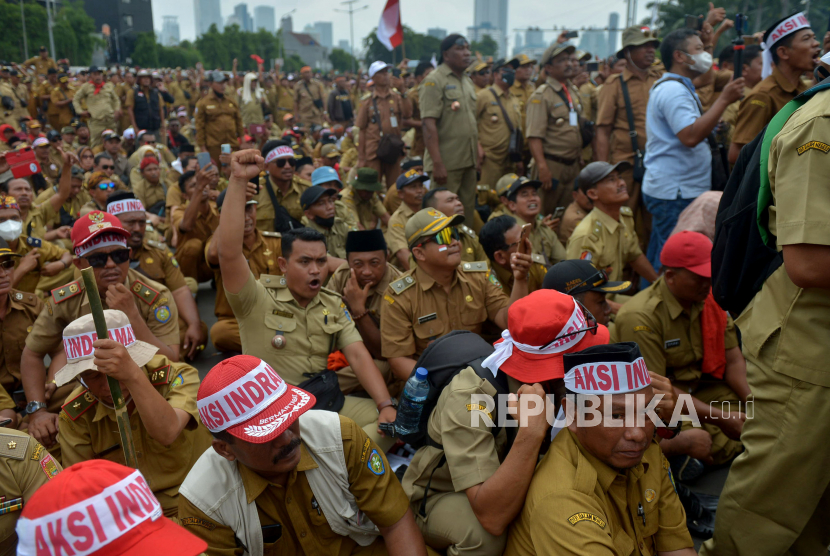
[[787, 27], [127, 205], [93, 523], [103, 240], [280, 152], [504, 349], [242, 399], [80, 346], [608, 377]]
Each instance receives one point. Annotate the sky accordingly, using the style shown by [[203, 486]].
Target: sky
[[420, 15]]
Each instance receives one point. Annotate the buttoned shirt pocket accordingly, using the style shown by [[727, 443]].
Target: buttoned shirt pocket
[[473, 313], [427, 330], [624, 544], [277, 324]]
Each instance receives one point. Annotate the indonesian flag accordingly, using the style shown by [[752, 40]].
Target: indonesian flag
[[390, 30]]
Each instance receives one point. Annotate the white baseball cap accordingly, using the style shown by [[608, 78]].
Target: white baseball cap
[[129, 133], [376, 67]]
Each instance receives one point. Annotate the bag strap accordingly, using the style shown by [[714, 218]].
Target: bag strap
[[629, 114], [278, 208], [503, 111], [309, 91], [377, 113]]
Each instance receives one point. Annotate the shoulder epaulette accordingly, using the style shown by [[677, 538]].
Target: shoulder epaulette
[[467, 230], [597, 227], [25, 298], [13, 446], [626, 211], [160, 376], [61, 294], [144, 292], [364, 97], [483, 187], [537, 258], [541, 88], [272, 234], [272, 280], [34, 242], [402, 284], [79, 405], [477, 266], [156, 244]]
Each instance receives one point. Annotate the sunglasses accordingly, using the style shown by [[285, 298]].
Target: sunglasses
[[589, 320], [106, 185], [444, 237], [280, 162], [8, 264], [482, 73], [107, 167], [594, 280], [99, 260]]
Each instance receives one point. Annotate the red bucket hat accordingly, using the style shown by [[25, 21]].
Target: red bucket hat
[[527, 350], [246, 397], [111, 510], [95, 230]]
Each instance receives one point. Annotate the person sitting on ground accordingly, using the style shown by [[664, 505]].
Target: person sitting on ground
[[447, 202], [500, 238], [411, 189]]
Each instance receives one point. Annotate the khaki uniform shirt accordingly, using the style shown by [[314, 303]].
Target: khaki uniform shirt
[[148, 193], [21, 96], [335, 236], [337, 283], [548, 118], [67, 303], [217, 121], [262, 259], [522, 93], [102, 106], [609, 244], [471, 249], [669, 336], [472, 453], [365, 212], [588, 94], [72, 207], [153, 260], [284, 103], [457, 129], [543, 240], [88, 429], [266, 307], [41, 66], [25, 466], [203, 226], [762, 103], [417, 310], [49, 252], [395, 235], [493, 131], [14, 327], [393, 110], [418, 147], [305, 530], [33, 225], [305, 97], [577, 504], [798, 168], [64, 112], [611, 111], [570, 220], [535, 276], [290, 200]]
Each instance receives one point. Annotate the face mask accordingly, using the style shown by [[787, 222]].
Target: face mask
[[702, 62], [10, 229], [509, 77], [324, 222]]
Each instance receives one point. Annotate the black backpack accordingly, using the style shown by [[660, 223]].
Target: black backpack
[[744, 253]]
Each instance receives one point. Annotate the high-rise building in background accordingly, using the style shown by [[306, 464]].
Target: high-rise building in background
[[287, 24], [343, 44], [534, 37], [232, 20], [437, 32], [613, 33], [125, 20], [169, 30], [311, 31], [595, 42], [477, 34], [494, 13], [240, 11], [264, 19], [323, 30], [208, 12]]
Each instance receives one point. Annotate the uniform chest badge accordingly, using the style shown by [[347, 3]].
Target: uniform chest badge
[[162, 314], [650, 495], [375, 463]]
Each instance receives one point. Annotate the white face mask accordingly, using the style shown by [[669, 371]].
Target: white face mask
[[10, 229], [702, 62]]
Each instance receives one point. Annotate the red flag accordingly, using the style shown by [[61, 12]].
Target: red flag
[[257, 59], [390, 30]]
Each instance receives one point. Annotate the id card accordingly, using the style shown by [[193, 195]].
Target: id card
[[393, 121], [573, 119]]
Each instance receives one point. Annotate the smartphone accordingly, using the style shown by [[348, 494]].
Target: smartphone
[[558, 212], [592, 66], [4, 422], [19, 398], [203, 159], [226, 148], [526, 229], [571, 34], [694, 22], [271, 533]]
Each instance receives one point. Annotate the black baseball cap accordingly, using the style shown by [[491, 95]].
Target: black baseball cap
[[577, 276], [313, 193]]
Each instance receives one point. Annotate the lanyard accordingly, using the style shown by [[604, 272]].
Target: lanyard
[[568, 94]]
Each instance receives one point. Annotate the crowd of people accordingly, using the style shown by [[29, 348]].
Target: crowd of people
[[531, 229]]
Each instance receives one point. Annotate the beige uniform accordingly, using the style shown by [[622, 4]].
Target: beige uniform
[[265, 212], [335, 236], [191, 248], [88, 431], [367, 213], [32, 281], [494, 132], [304, 96], [471, 249], [570, 220], [217, 122], [609, 244], [392, 109], [535, 276], [522, 94], [395, 236], [101, 106]]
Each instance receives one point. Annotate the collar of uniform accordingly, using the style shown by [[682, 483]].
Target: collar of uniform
[[606, 220], [383, 285], [296, 186], [12, 303], [605, 474], [554, 84], [255, 484], [406, 211], [258, 241], [285, 295], [673, 305], [426, 281], [376, 93], [782, 81]]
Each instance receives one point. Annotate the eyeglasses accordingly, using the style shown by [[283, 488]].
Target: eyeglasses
[[8, 264], [444, 237], [589, 320], [107, 167], [99, 260], [594, 280], [106, 185], [280, 162], [482, 73]]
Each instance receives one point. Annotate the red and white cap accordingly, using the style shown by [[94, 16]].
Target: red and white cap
[[246, 397], [282, 151], [96, 230], [527, 351], [100, 508]]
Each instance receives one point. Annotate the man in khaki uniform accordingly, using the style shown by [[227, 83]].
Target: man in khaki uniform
[[166, 430], [103, 108], [411, 191], [777, 489], [522, 87], [500, 238], [149, 305], [604, 489], [362, 281], [667, 322], [318, 205], [61, 98], [20, 95], [278, 183], [553, 128], [26, 466], [413, 96], [495, 106], [42, 62], [217, 118], [289, 319], [479, 72], [574, 213], [309, 99], [195, 223], [445, 201], [418, 309], [606, 237], [448, 116], [361, 198], [382, 112]]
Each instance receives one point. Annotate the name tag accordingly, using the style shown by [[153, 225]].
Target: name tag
[[427, 318], [671, 343], [393, 121], [573, 120]]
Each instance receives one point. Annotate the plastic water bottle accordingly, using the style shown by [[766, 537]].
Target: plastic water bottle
[[412, 402]]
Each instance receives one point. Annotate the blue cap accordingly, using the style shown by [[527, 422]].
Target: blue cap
[[325, 174], [421, 373]]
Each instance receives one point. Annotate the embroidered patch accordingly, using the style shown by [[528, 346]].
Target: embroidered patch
[[668, 344], [389, 299], [375, 464], [535, 101], [37, 453], [817, 145], [365, 450], [642, 329], [586, 256], [479, 407], [50, 468], [760, 103], [585, 516], [493, 280], [198, 522], [162, 314], [650, 495], [178, 381]]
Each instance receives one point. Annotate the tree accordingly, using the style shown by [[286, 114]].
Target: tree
[[486, 46], [342, 60], [418, 47], [145, 51], [219, 49]]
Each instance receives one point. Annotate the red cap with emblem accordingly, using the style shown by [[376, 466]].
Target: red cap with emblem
[[97, 229]]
